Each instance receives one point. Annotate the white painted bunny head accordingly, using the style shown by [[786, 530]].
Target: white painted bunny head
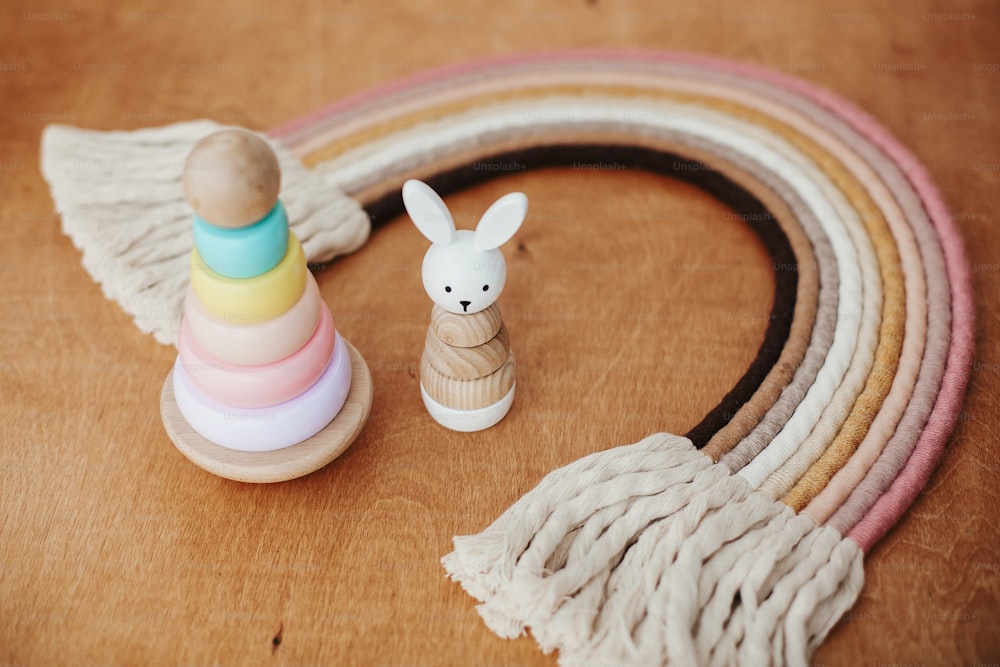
[[463, 271]]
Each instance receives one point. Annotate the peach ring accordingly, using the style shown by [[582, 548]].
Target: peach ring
[[258, 386], [255, 344]]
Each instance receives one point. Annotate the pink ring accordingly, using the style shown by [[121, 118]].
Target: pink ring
[[275, 427], [258, 386], [255, 344]]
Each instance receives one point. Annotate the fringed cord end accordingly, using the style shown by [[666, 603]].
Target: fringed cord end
[[651, 554], [121, 201]]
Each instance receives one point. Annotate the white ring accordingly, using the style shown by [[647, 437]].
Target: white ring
[[275, 427]]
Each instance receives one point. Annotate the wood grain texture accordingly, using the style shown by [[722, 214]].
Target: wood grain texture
[[466, 330], [467, 363], [283, 464], [474, 394], [114, 549]]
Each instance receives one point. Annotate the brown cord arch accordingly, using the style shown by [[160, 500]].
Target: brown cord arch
[[719, 186]]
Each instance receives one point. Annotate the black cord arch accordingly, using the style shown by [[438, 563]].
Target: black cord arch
[[751, 210]]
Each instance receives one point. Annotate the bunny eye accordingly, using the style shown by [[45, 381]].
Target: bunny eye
[[486, 288], [447, 288]]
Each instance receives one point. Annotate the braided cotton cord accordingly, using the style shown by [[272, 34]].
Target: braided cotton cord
[[625, 615], [933, 440], [829, 482], [851, 410], [900, 495], [803, 263], [707, 153], [842, 401], [889, 335], [403, 145], [398, 150], [878, 388], [369, 158], [956, 293], [895, 453], [396, 124], [945, 412], [897, 450], [903, 383], [788, 209], [905, 331], [889, 419], [750, 414], [902, 388], [718, 157], [891, 331], [856, 332], [840, 486], [847, 392], [927, 403], [754, 78], [953, 291]]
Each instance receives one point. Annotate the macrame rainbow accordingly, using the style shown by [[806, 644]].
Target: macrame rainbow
[[742, 541]]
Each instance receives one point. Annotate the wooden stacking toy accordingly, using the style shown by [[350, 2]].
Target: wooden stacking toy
[[265, 388], [467, 371]]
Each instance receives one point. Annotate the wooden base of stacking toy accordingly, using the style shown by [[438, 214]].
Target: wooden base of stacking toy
[[281, 464]]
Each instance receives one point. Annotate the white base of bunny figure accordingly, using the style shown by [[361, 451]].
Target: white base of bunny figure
[[468, 421]]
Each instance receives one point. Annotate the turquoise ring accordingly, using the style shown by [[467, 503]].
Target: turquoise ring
[[243, 252]]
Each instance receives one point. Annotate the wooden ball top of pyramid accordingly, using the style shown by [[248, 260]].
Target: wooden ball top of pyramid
[[232, 178]]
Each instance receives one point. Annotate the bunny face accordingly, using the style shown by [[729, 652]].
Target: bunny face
[[463, 271], [460, 277]]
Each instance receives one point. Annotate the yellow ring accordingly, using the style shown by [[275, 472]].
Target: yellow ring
[[249, 300]]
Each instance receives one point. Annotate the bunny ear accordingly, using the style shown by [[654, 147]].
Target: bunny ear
[[428, 212], [501, 221]]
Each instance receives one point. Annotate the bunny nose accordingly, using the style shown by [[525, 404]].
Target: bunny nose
[[465, 305]]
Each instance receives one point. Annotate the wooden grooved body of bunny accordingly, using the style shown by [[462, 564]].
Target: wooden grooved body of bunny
[[467, 371]]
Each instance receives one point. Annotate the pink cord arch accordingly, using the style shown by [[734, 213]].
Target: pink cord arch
[[887, 509]]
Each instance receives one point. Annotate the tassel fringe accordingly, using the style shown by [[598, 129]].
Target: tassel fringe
[[652, 554], [122, 203]]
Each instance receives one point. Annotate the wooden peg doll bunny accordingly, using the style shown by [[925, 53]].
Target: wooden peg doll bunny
[[467, 372]]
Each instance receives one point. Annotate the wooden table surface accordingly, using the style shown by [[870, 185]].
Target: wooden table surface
[[114, 549]]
